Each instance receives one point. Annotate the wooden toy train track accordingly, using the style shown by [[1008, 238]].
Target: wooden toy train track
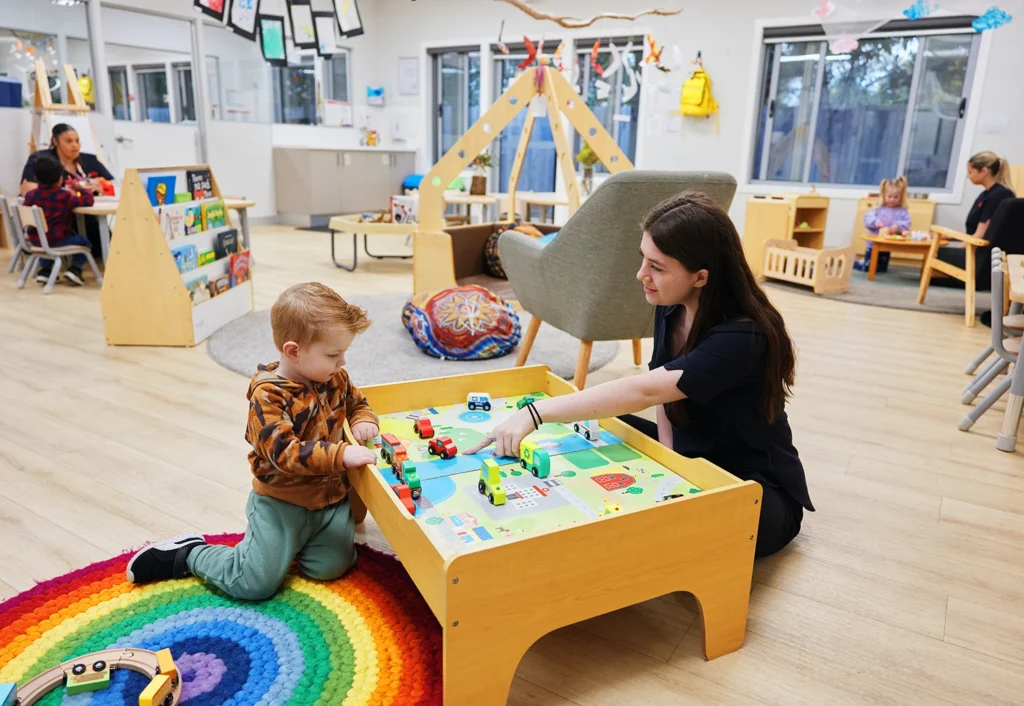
[[91, 672]]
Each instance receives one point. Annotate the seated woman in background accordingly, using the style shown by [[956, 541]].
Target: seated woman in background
[[80, 168]]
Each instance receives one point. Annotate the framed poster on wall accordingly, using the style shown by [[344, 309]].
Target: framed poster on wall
[[349, 21], [213, 8], [301, 15], [242, 17], [272, 39], [325, 27]]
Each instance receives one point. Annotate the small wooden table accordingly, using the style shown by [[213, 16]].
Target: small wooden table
[[353, 223], [881, 243], [462, 198], [529, 199], [107, 206], [1007, 440]]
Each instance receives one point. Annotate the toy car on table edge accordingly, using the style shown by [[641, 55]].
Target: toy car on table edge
[[479, 400], [490, 482]]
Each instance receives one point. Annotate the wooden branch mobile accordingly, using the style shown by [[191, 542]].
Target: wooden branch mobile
[[578, 23]]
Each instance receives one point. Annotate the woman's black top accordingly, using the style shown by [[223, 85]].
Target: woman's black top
[[985, 206], [89, 164], [723, 380]]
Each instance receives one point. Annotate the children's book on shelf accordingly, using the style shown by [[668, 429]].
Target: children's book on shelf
[[219, 285], [182, 198], [227, 243], [193, 219], [199, 289], [161, 189], [213, 215], [205, 258], [172, 221], [199, 183], [239, 268], [185, 257]]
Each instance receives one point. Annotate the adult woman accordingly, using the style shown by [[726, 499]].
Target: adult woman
[[79, 166], [721, 370]]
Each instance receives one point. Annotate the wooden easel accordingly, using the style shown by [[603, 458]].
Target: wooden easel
[[74, 112]]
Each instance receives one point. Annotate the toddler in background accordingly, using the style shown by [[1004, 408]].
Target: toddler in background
[[892, 216]]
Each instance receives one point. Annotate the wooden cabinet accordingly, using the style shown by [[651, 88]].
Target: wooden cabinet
[[312, 184], [783, 217]]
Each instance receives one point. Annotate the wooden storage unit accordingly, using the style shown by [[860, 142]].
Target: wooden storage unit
[[922, 215], [778, 217], [312, 185], [145, 301]]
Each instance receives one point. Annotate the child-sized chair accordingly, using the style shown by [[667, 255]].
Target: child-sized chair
[[967, 274], [33, 216], [1008, 350], [12, 224]]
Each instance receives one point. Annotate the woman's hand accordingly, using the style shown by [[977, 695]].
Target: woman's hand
[[507, 436]]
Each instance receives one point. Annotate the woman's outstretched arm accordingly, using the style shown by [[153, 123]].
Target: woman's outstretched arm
[[610, 399]]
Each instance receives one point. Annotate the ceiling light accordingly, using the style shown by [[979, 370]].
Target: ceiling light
[[68, 3]]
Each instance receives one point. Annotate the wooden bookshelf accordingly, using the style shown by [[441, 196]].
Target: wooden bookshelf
[[145, 299], [781, 217]]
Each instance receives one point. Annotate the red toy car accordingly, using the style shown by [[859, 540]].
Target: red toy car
[[443, 446], [423, 428], [405, 495]]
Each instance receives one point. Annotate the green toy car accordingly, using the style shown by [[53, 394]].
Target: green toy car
[[525, 401]]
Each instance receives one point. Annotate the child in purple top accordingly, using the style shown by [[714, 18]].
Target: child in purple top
[[892, 215]]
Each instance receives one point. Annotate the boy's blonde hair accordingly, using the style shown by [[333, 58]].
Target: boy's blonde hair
[[897, 183], [997, 166], [304, 312]]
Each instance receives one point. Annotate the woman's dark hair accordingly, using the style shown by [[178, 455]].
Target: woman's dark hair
[[692, 229], [58, 130]]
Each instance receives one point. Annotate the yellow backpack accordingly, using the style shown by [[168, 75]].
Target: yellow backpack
[[696, 98]]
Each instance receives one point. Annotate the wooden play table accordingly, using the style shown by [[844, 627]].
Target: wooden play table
[[883, 243]]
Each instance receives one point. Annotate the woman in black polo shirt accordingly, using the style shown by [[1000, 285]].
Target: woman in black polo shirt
[[722, 368]]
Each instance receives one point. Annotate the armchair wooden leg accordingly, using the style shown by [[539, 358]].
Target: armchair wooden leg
[[582, 363], [969, 286], [636, 352], [926, 270], [527, 342]]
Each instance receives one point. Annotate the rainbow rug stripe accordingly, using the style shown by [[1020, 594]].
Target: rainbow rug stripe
[[367, 638]]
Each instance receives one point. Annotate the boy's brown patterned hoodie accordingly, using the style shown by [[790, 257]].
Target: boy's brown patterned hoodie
[[297, 436]]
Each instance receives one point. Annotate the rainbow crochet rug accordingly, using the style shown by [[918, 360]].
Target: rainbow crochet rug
[[367, 638]]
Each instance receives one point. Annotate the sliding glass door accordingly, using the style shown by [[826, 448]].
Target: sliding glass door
[[456, 96], [539, 167]]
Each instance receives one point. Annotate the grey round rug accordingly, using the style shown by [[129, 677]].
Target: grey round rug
[[895, 289], [386, 352]]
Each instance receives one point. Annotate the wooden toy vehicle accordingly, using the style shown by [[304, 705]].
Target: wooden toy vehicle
[[392, 451], [535, 459], [443, 446], [423, 428], [404, 494], [588, 429], [524, 401], [91, 672], [481, 400], [407, 474], [490, 482]]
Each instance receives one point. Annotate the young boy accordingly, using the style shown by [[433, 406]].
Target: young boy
[[298, 507], [58, 203]]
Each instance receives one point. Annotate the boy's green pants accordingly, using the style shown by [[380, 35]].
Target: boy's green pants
[[321, 541]]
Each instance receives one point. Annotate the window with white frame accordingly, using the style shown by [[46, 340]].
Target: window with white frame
[[119, 93], [615, 99], [893, 106], [154, 101], [456, 95], [184, 93], [336, 76]]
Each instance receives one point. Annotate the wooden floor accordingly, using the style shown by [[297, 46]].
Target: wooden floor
[[907, 585]]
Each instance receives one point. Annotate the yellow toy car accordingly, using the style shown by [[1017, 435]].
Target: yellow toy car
[[490, 482], [535, 459]]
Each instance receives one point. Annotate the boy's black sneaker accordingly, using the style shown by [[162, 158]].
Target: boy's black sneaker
[[163, 560], [74, 276], [42, 276]]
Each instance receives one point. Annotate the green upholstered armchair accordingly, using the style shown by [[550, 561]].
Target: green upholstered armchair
[[584, 281]]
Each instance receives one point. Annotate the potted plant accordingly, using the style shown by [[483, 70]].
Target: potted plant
[[480, 165], [588, 159]]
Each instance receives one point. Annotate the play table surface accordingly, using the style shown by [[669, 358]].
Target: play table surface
[[883, 243], [600, 533]]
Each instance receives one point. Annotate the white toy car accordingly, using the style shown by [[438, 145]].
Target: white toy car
[[479, 400], [588, 430]]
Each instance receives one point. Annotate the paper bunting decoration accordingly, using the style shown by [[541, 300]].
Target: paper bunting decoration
[[616, 61], [575, 77], [531, 54], [501, 45], [843, 44], [598, 69], [603, 89], [823, 9], [992, 19], [556, 60], [920, 8], [654, 53]]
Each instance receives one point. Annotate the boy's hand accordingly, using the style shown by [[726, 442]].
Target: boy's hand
[[356, 456], [364, 431]]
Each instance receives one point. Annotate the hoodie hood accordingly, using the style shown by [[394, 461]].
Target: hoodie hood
[[267, 375]]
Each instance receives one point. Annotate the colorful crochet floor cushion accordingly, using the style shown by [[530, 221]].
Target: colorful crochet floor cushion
[[367, 638], [491, 256], [462, 323]]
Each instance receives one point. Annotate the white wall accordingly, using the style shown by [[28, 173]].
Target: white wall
[[724, 31]]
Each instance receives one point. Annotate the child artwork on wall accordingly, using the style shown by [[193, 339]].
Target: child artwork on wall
[[212, 8], [325, 28], [349, 20], [272, 40], [242, 17], [160, 189], [301, 15]]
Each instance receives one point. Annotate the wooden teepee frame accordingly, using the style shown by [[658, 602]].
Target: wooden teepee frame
[[433, 265]]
